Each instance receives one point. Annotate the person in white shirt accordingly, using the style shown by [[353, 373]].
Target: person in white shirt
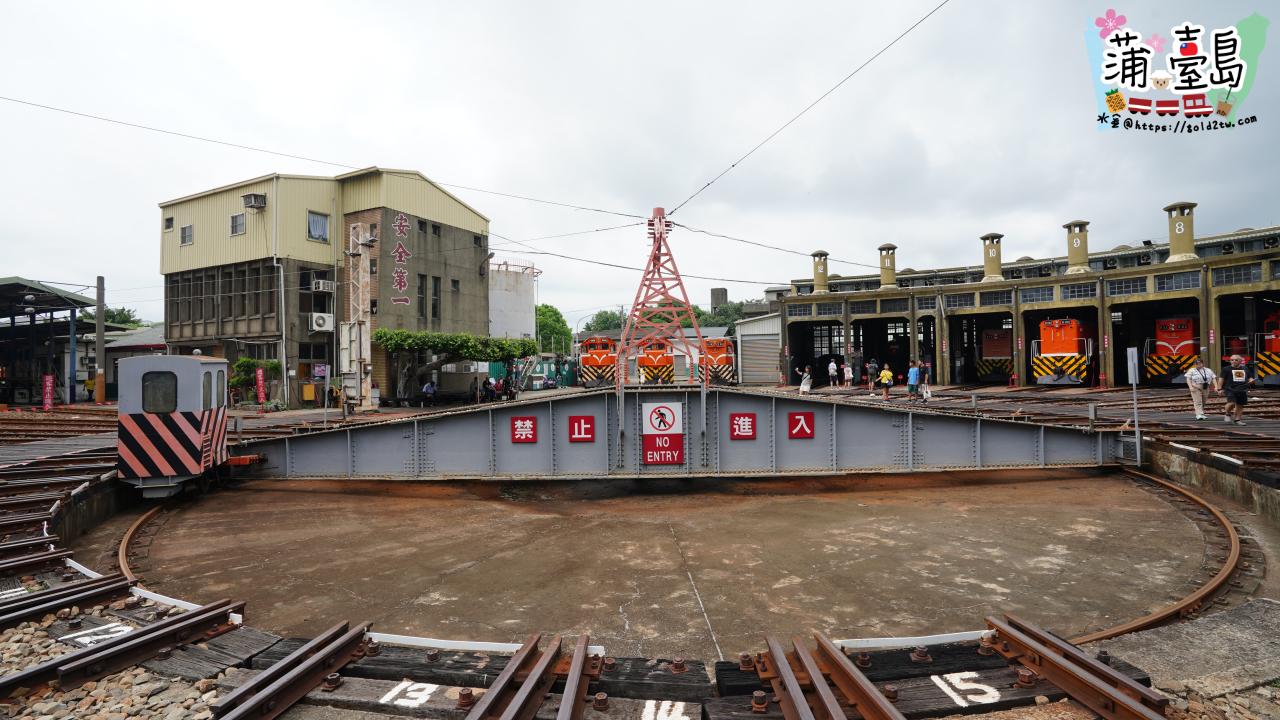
[[848, 375], [1200, 381], [833, 373]]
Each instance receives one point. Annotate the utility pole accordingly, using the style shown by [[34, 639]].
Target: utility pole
[[99, 346]]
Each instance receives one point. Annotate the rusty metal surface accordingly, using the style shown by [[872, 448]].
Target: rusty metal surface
[[122, 552], [1096, 686], [72, 594]]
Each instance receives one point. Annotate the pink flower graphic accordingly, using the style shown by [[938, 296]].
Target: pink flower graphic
[[1156, 42], [1109, 23]]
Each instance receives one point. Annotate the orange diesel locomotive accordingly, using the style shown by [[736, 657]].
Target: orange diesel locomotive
[[995, 363], [1267, 350], [1062, 354], [656, 362], [1174, 349], [597, 361], [717, 360]]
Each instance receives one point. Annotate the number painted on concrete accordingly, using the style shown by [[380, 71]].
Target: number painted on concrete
[[93, 636], [954, 684], [665, 710], [415, 694], [1179, 228]]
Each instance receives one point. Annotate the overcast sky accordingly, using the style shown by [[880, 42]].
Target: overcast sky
[[981, 120]]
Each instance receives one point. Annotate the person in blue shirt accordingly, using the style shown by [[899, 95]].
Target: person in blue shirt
[[913, 380]]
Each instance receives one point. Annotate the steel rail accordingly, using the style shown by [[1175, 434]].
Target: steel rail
[[274, 691], [1100, 693], [858, 691], [573, 699], [528, 697], [1193, 601], [827, 706], [489, 703], [17, 548], [37, 560], [120, 652], [50, 601], [122, 552], [1139, 692], [785, 683]]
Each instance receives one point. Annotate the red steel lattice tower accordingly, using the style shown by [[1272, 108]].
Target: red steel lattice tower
[[660, 307]]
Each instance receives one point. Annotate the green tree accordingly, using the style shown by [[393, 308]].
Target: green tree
[[120, 316], [553, 331], [604, 320]]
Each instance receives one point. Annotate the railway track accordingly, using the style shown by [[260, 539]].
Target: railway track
[[111, 630]]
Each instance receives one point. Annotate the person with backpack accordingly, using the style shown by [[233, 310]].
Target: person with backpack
[[886, 379]]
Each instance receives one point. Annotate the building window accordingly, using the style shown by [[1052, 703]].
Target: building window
[[1079, 291], [862, 307], [957, 300], [317, 227], [435, 297], [828, 339], [479, 241], [435, 230], [1169, 282], [1275, 269], [237, 224], [373, 266], [159, 392], [373, 306], [894, 305], [188, 234], [996, 297], [1036, 294], [206, 391], [422, 226], [422, 296], [828, 309], [926, 302], [1127, 286], [454, 285], [799, 310], [168, 224], [1237, 274]]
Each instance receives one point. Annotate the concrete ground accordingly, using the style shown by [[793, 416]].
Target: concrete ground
[[696, 574]]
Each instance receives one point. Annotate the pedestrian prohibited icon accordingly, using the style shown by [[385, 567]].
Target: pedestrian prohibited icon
[[662, 432]]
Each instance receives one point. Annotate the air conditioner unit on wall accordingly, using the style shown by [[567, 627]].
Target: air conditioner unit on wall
[[255, 201], [324, 286], [321, 322]]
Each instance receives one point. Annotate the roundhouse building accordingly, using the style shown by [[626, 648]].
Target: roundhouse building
[[1062, 320]]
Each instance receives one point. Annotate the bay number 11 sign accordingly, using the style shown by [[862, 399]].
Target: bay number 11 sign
[[662, 431]]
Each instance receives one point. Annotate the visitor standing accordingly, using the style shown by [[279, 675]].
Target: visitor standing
[[1234, 386], [848, 375], [873, 374], [833, 373], [1200, 381], [886, 380], [926, 392], [806, 381], [913, 380]]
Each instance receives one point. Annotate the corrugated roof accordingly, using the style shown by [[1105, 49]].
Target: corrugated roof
[[19, 286], [146, 337]]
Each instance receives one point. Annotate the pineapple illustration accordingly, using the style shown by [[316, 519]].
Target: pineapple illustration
[[1115, 101]]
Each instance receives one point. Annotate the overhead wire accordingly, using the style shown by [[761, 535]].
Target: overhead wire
[[770, 247], [808, 107], [294, 156]]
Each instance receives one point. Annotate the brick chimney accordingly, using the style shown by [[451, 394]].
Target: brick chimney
[[1077, 246], [819, 271], [888, 267], [1182, 239]]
